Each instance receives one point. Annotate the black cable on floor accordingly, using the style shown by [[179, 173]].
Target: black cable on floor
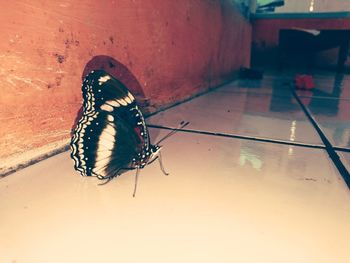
[[243, 137], [329, 147], [341, 149]]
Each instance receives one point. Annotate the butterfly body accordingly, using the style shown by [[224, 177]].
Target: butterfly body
[[111, 136]]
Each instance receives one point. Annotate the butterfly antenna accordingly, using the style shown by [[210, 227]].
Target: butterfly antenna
[[181, 125], [161, 163], [136, 178]]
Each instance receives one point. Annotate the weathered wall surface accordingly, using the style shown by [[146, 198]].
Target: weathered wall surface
[[163, 50]]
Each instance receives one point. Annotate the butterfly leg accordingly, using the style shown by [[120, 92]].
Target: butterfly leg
[[99, 177], [105, 182], [108, 177], [161, 163], [136, 178]]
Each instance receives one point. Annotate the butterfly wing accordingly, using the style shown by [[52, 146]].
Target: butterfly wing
[[111, 133]]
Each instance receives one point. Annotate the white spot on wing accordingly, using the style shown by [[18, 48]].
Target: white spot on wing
[[107, 107], [113, 103], [105, 143], [131, 96], [128, 100], [122, 102], [102, 80]]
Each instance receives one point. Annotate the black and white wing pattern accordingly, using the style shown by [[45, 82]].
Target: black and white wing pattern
[[111, 136]]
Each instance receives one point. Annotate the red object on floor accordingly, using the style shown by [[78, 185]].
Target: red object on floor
[[304, 82]]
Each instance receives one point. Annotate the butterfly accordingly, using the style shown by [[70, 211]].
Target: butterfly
[[111, 136]]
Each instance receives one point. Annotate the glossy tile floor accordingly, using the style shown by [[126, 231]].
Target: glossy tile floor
[[225, 200]]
